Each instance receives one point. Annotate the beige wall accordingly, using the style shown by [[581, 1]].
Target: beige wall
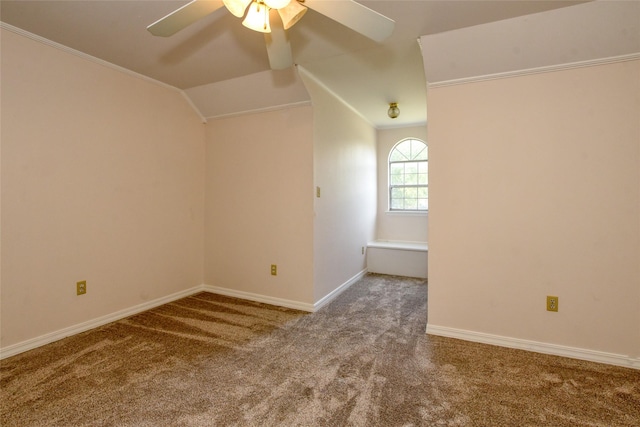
[[259, 204], [405, 226], [344, 157], [535, 191], [102, 180]]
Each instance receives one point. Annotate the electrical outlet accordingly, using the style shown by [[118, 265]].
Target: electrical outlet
[[81, 287], [317, 191], [362, 250], [552, 303], [274, 270]]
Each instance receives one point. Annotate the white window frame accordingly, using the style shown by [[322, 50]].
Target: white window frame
[[417, 186]]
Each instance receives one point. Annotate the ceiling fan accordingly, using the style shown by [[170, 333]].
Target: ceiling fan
[[274, 17]]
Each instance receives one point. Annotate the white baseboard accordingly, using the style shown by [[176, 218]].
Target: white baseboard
[[535, 346], [32, 343], [296, 305], [340, 289]]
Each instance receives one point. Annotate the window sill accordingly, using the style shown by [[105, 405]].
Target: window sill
[[410, 213]]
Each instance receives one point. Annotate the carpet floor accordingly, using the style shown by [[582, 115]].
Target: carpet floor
[[363, 360]]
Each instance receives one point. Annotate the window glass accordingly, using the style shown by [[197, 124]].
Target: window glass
[[409, 176]]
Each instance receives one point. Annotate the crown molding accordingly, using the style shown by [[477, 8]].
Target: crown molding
[[259, 110], [83, 55], [203, 119], [307, 76], [537, 70], [98, 61]]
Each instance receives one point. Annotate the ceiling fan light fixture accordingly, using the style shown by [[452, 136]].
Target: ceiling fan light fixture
[[277, 4], [393, 111], [237, 7], [257, 17], [291, 14]]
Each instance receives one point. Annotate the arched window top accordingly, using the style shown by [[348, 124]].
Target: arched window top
[[409, 149], [409, 176]]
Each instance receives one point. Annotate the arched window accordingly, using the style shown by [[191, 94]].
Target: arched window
[[408, 176]]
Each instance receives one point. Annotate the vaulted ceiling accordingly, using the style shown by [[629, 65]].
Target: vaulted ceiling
[[365, 74]]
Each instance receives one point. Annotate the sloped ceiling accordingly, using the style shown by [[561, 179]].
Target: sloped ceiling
[[594, 33], [219, 50]]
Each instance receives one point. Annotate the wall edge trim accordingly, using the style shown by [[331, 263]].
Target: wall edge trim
[[536, 346], [337, 291], [537, 70], [50, 337], [265, 299]]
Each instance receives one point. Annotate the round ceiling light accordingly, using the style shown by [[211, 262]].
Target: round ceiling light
[[393, 111]]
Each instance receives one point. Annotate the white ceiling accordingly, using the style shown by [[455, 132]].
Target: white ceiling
[[365, 74]]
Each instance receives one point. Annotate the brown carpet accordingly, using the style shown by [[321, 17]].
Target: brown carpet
[[363, 360]]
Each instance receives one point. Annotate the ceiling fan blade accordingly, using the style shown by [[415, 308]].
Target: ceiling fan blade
[[278, 46], [183, 17], [359, 18]]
